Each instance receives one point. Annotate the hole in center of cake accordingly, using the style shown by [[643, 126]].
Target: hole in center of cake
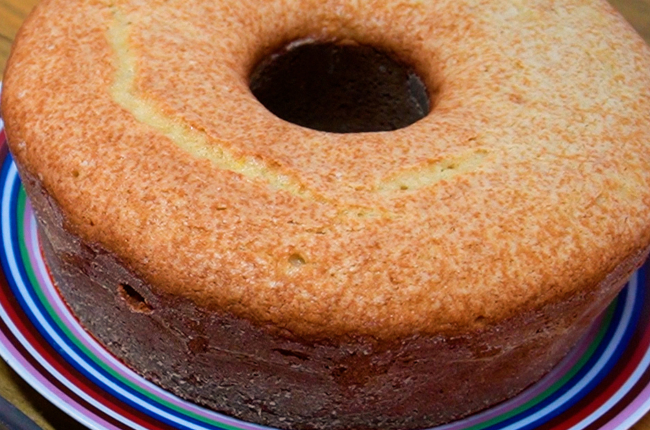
[[340, 88]]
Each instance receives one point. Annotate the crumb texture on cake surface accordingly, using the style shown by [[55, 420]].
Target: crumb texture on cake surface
[[311, 280], [527, 183]]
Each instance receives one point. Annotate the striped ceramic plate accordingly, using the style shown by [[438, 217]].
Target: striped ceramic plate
[[603, 383]]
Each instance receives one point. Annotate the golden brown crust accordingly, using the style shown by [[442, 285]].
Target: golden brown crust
[[227, 364], [550, 122], [304, 279]]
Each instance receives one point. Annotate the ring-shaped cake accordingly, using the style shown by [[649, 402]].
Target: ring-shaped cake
[[311, 279]]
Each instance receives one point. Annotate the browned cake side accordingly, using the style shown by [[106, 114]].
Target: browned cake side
[[229, 365], [307, 279]]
